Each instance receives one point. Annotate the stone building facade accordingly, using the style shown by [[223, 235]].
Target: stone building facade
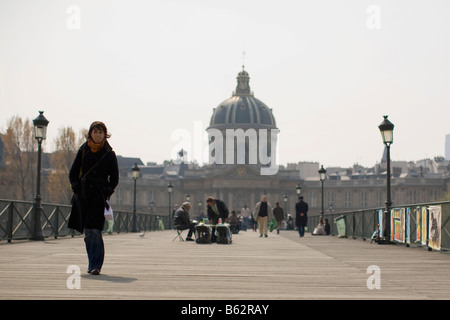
[[239, 181]]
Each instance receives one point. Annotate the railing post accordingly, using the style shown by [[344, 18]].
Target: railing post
[[363, 225], [56, 222], [117, 219], [353, 225], [428, 230], [9, 227]]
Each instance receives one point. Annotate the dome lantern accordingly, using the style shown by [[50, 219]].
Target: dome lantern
[[242, 110], [243, 86]]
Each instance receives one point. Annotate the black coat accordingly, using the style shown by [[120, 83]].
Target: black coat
[[223, 212], [278, 213], [91, 193], [181, 219], [301, 207]]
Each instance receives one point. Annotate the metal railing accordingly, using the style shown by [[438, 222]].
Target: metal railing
[[16, 220], [410, 224]]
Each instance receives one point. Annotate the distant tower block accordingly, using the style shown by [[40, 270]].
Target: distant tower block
[[447, 147]]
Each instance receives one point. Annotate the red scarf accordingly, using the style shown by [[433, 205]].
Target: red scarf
[[95, 147]]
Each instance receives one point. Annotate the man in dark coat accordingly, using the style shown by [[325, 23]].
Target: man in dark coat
[[301, 216], [182, 221], [216, 210]]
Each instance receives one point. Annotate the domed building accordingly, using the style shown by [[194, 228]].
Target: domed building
[[242, 133], [246, 125], [242, 110], [240, 120]]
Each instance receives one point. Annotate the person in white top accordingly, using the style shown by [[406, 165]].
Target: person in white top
[[245, 214]]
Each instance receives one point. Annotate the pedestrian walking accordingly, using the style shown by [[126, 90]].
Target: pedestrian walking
[[93, 177], [278, 213], [263, 213], [301, 216], [253, 222], [245, 214]]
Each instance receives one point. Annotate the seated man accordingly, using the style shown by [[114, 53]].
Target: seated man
[[327, 226], [234, 222], [320, 229], [181, 220]]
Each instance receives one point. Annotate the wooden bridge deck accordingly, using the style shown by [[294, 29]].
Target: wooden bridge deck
[[280, 267]]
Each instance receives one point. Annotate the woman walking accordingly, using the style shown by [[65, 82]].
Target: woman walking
[[93, 176]]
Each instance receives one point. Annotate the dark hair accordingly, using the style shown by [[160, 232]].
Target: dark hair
[[99, 126]]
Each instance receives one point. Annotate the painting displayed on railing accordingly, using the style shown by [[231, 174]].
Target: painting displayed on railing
[[424, 224], [380, 222], [398, 225], [427, 225], [408, 226], [435, 214], [421, 225]]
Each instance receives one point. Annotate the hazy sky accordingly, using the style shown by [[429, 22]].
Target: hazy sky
[[149, 69]]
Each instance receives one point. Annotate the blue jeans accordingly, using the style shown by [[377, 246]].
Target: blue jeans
[[301, 230], [95, 248], [244, 224]]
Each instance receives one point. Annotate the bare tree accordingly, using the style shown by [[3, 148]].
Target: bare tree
[[61, 159], [19, 154]]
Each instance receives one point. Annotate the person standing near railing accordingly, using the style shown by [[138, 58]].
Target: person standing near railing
[[93, 176], [301, 216]]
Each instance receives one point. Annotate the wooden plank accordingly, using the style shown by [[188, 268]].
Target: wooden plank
[[278, 267]]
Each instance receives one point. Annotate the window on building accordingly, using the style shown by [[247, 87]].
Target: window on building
[[331, 197], [347, 199], [313, 199], [379, 199], [412, 196], [363, 199]]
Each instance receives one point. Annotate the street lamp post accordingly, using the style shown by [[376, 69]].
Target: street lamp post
[[387, 133], [152, 207], [169, 190], [285, 199], [298, 190], [40, 134], [188, 197], [322, 176], [153, 218], [135, 173]]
